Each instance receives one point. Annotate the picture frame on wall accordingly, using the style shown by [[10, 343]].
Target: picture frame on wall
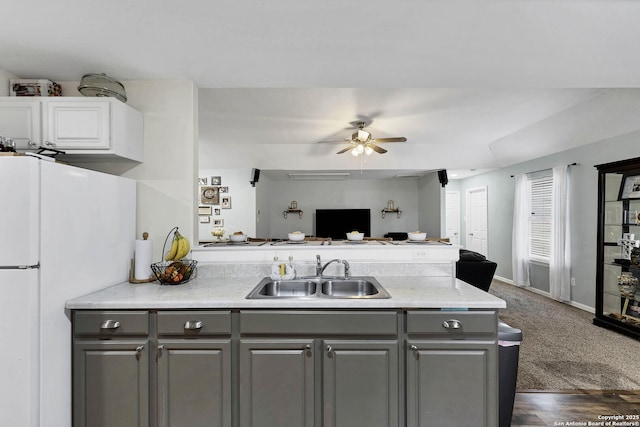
[[203, 181], [225, 202], [204, 210], [224, 189], [216, 180], [218, 222], [204, 219], [209, 195], [630, 188], [216, 211]]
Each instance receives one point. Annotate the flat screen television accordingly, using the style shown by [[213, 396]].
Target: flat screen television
[[336, 223]]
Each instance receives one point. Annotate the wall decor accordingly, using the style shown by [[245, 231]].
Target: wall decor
[[631, 309], [226, 202], [218, 222], [203, 181], [204, 219], [209, 195], [204, 210], [216, 180], [224, 189], [630, 188], [216, 211]]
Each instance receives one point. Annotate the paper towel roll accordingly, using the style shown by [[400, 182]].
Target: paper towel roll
[[143, 257]]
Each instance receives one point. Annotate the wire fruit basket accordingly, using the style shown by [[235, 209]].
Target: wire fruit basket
[[174, 271]]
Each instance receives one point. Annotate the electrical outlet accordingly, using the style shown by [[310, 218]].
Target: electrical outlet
[[419, 253], [573, 281]]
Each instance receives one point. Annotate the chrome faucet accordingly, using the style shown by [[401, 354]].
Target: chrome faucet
[[318, 266], [347, 268]]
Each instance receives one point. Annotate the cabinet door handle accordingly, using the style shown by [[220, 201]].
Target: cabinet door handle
[[159, 352], [32, 144], [452, 324], [191, 325], [110, 324], [329, 349], [415, 351], [49, 144], [139, 351], [307, 349]]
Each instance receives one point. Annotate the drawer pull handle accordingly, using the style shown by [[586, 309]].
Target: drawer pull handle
[[110, 324], [452, 324], [191, 325]]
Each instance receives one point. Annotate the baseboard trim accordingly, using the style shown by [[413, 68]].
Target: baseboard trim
[[547, 294]]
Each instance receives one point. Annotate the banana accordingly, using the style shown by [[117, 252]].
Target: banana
[[183, 247], [174, 248]]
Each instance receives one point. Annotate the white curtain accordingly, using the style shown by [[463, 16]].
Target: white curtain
[[520, 238], [560, 257]]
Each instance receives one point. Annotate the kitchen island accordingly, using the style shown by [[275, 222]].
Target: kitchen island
[[202, 354]]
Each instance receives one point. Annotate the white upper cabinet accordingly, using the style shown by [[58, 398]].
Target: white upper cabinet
[[85, 128], [20, 120]]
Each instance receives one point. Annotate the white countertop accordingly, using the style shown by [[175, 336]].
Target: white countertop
[[371, 251], [230, 293]]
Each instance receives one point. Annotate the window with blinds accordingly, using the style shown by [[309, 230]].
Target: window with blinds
[[541, 188]]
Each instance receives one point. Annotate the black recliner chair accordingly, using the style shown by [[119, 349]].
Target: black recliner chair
[[475, 269]]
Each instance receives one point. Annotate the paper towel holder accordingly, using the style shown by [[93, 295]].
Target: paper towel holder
[[132, 268]]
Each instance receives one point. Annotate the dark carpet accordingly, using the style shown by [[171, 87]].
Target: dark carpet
[[562, 349]]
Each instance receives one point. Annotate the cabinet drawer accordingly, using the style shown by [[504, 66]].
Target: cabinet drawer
[[319, 323], [194, 323], [111, 323], [452, 322]]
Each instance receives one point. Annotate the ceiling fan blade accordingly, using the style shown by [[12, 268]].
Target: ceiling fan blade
[[397, 139], [344, 150], [337, 141], [377, 149]]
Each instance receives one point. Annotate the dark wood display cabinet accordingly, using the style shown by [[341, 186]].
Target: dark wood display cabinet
[[618, 218]]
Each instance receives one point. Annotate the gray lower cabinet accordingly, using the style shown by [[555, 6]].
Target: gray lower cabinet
[[111, 383], [360, 383], [319, 368], [111, 369], [139, 369], [277, 385], [451, 365], [194, 383]]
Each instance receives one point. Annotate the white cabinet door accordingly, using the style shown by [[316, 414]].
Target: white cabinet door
[[20, 120], [77, 125]]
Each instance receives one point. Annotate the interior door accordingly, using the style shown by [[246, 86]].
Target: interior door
[[476, 201], [452, 217]]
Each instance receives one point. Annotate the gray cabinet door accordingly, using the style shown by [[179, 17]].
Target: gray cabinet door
[[194, 383], [276, 383], [360, 383], [111, 383], [452, 384]]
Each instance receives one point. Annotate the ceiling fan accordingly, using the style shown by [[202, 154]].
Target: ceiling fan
[[361, 141]]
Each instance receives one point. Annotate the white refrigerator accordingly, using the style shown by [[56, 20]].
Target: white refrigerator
[[64, 232]]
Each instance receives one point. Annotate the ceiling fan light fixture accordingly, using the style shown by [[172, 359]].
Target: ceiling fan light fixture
[[368, 150], [354, 152], [363, 135]]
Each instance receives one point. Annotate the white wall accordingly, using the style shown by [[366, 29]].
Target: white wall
[[583, 202], [339, 194], [167, 179], [5, 76], [242, 215], [431, 205]]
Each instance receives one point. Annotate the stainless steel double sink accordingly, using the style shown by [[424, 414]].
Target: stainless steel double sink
[[363, 287]]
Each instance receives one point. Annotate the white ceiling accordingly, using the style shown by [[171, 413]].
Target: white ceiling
[[493, 82]]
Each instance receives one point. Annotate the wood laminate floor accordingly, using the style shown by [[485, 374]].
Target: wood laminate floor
[[576, 408]]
